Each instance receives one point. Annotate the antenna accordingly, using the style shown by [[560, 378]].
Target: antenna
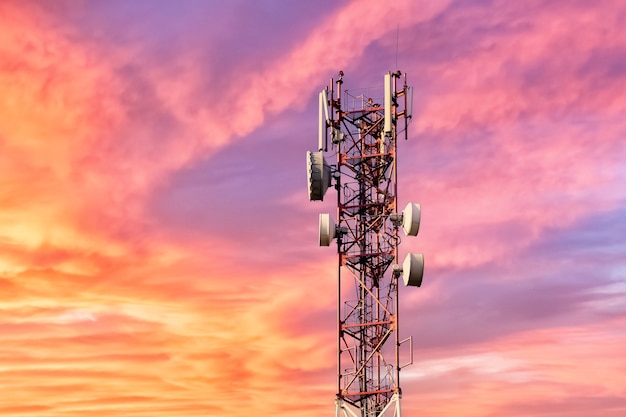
[[322, 124], [364, 142], [318, 175], [324, 121], [388, 104]]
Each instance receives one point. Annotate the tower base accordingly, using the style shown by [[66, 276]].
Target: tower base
[[392, 409]]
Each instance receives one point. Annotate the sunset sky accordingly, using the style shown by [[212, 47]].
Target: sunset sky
[[159, 255]]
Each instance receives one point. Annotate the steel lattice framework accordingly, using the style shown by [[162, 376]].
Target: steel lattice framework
[[364, 136]]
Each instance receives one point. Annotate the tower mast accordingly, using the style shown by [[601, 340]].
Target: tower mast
[[363, 132]]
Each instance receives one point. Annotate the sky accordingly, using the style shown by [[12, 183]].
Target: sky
[[159, 255]]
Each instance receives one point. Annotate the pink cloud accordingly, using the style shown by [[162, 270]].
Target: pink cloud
[[550, 131], [542, 371]]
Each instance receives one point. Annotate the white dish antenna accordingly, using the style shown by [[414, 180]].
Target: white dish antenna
[[409, 219], [318, 175], [412, 269]]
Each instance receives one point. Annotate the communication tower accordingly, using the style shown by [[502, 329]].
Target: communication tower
[[361, 132]]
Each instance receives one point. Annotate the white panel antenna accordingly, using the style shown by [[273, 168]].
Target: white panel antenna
[[323, 120], [409, 110], [388, 104], [322, 123], [327, 229]]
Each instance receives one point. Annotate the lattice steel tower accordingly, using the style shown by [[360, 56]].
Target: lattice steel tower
[[362, 132]]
